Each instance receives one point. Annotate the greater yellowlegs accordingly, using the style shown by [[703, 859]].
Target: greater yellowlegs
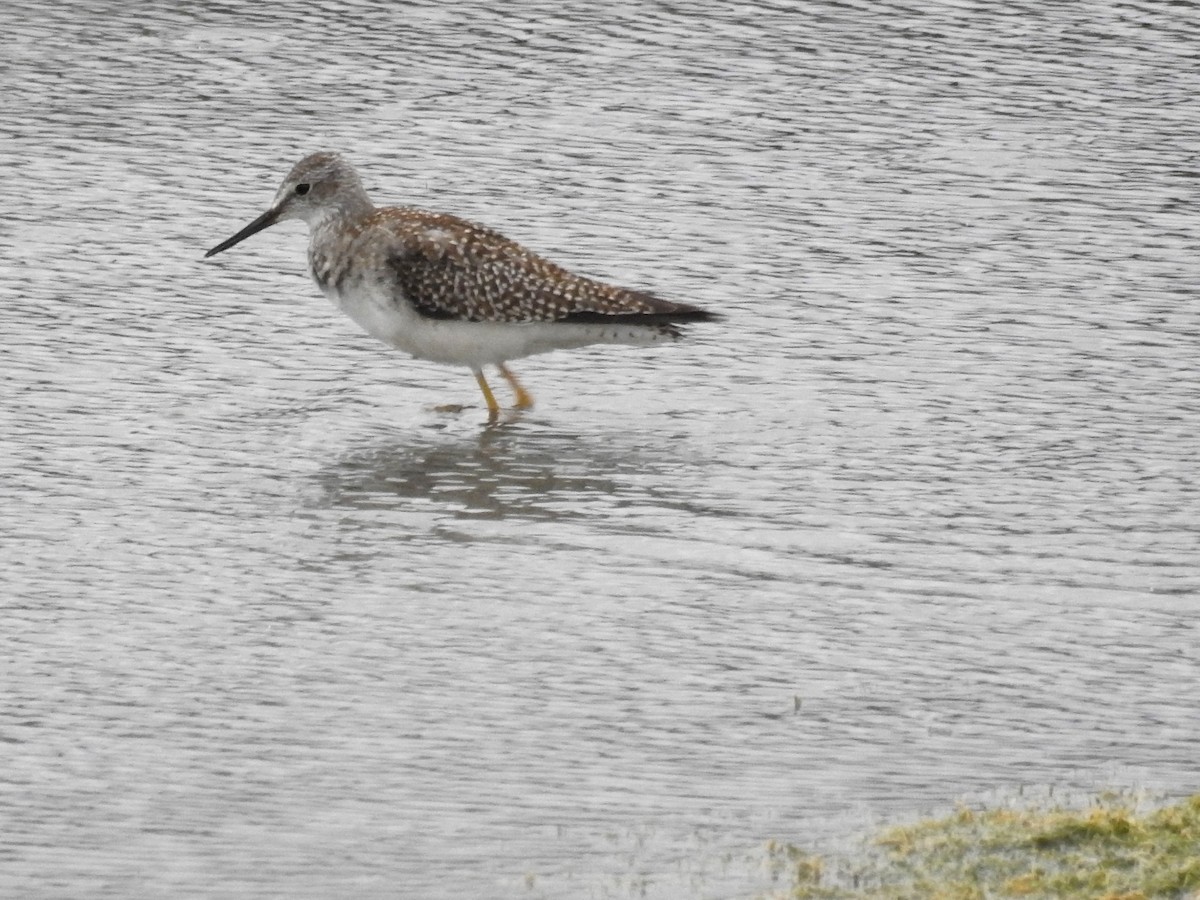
[[447, 290]]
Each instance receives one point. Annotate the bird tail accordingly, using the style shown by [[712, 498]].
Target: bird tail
[[640, 308]]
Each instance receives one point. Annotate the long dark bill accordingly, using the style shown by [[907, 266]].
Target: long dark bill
[[266, 220]]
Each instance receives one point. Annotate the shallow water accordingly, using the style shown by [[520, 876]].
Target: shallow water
[[917, 522]]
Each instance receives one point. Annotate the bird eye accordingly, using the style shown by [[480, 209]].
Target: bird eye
[[302, 189]]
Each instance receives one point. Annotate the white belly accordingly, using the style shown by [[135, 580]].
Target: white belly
[[476, 344]]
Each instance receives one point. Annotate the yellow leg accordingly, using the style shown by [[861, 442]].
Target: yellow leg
[[492, 405], [524, 398]]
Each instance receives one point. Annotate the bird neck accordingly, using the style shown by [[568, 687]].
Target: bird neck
[[352, 205], [330, 233]]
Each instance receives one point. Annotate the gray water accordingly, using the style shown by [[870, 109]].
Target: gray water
[[918, 522]]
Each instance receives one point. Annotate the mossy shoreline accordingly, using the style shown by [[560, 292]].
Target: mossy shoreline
[[1110, 848]]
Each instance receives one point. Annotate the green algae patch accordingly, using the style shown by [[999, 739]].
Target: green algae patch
[[1109, 850]]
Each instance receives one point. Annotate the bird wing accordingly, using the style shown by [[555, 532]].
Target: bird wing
[[448, 268]]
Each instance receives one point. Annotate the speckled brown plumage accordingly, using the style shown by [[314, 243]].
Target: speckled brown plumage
[[445, 289], [449, 268]]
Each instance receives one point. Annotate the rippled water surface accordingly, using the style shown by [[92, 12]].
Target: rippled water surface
[[920, 520]]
